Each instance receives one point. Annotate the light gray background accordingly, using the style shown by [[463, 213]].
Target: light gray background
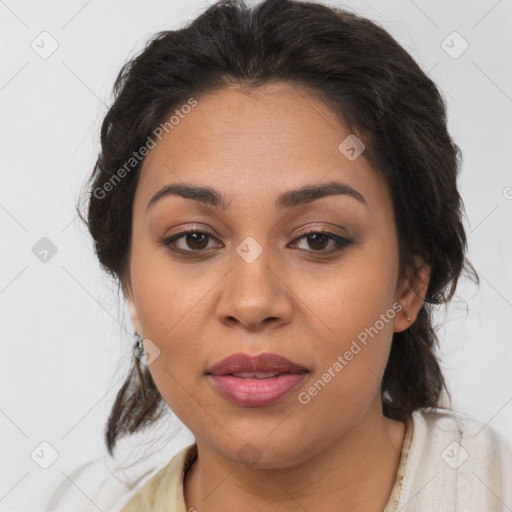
[[66, 337]]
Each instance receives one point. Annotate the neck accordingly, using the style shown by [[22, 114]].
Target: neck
[[357, 470]]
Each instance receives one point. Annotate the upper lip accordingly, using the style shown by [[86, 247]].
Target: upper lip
[[266, 362]]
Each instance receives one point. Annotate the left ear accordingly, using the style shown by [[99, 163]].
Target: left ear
[[411, 296]]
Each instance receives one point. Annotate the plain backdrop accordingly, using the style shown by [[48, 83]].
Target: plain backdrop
[[66, 335]]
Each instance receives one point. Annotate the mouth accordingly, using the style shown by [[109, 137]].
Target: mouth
[[255, 375], [265, 365], [256, 381]]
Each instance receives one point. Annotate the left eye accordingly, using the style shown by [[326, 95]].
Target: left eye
[[319, 240]]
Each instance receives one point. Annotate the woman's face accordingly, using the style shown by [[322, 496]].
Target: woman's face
[[251, 281]]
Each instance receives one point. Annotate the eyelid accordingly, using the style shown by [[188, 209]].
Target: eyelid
[[184, 230], [199, 228], [321, 229]]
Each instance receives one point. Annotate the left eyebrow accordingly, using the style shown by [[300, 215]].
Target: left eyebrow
[[289, 199], [309, 193]]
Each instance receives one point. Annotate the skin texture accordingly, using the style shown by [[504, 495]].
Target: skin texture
[[291, 300]]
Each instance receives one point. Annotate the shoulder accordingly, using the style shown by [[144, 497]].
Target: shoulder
[[165, 487], [106, 484], [455, 462], [459, 436], [86, 488]]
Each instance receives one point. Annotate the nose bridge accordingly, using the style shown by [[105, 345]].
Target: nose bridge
[[254, 293], [253, 279]]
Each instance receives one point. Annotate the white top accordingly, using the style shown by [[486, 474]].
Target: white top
[[450, 462]]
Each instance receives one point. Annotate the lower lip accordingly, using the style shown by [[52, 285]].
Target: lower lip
[[257, 392]]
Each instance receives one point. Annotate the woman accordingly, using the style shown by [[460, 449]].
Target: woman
[[277, 195]]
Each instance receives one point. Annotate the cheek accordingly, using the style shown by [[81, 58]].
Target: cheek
[[167, 293], [356, 336], [169, 302], [358, 293], [169, 313]]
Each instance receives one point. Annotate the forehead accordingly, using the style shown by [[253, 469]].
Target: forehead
[[253, 143]]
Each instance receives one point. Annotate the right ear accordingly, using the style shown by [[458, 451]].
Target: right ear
[[128, 292]]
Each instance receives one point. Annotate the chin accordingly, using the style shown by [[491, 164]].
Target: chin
[[261, 449]]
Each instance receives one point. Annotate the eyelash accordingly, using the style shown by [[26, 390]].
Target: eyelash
[[341, 242]]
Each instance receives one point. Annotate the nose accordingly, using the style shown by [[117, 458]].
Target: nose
[[255, 295]]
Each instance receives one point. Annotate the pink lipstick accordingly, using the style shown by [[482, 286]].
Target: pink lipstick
[[255, 381]]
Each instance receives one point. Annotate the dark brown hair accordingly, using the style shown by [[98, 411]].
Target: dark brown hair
[[361, 73]]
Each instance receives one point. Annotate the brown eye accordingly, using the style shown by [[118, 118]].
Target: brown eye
[[191, 241], [196, 240], [318, 241]]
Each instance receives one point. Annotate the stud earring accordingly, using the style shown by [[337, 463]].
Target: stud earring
[[408, 318]]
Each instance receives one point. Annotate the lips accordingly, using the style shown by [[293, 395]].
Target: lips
[[255, 381], [261, 363]]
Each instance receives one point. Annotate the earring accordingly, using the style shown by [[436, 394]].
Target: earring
[[408, 318], [138, 343]]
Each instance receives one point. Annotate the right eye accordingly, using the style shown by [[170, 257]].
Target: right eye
[[192, 238]]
